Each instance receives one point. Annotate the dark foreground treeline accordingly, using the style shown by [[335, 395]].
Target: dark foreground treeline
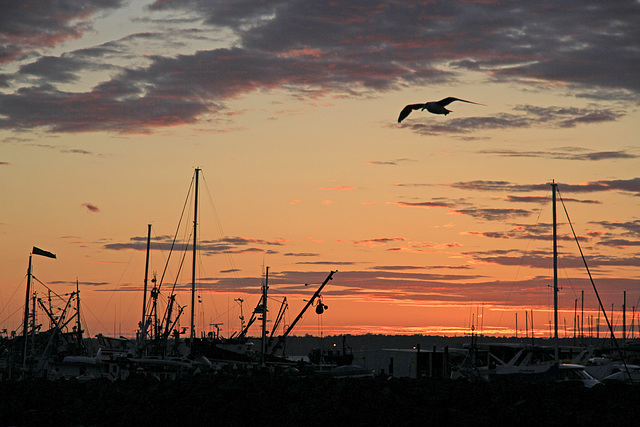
[[296, 401]]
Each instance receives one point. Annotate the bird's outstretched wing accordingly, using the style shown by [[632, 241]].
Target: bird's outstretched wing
[[449, 100], [407, 110]]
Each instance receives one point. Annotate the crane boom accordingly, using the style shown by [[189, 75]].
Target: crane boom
[[281, 338]]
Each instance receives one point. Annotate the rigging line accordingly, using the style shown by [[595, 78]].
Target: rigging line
[[133, 253], [186, 238], [526, 250], [11, 298], [85, 324], [223, 237], [162, 252], [584, 260], [567, 278], [85, 308], [201, 290], [38, 280], [175, 283], [18, 310], [175, 236]]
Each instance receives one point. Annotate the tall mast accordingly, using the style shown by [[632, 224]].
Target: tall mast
[[265, 288], [26, 314], [193, 269], [624, 316], [554, 188], [78, 322], [143, 324]]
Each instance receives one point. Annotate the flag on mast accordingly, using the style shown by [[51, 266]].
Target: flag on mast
[[38, 251]]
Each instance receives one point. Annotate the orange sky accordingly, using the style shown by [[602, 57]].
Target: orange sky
[[290, 109]]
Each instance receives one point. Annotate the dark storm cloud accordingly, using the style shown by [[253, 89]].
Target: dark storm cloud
[[27, 26], [346, 47]]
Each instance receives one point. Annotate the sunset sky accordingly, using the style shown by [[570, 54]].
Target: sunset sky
[[290, 109]]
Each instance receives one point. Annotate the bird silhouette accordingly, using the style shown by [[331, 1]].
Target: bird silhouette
[[435, 107]]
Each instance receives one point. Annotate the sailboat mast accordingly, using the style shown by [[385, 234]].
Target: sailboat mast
[[143, 324], [26, 315], [78, 322], [554, 188], [193, 269], [265, 288]]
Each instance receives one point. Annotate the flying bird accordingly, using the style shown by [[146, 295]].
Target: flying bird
[[435, 107]]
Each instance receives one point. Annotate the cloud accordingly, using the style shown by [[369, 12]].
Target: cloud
[[628, 238], [494, 214], [584, 42], [301, 254], [55, 69], [229, 245], [619, 243], [544, 259], [631, 228], [418, 267], [113, 107], [325, 263], [421, 288], [527, 116], [378, 242], [567, 153], [96, 284], [489, 214], [91, 207], [25, 142], [538, 231], [428, 204], [631, 186], [388, 162], [29, 26], [624, 235], [340, 188], [402, 244], [326, 48], [543, 199]]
